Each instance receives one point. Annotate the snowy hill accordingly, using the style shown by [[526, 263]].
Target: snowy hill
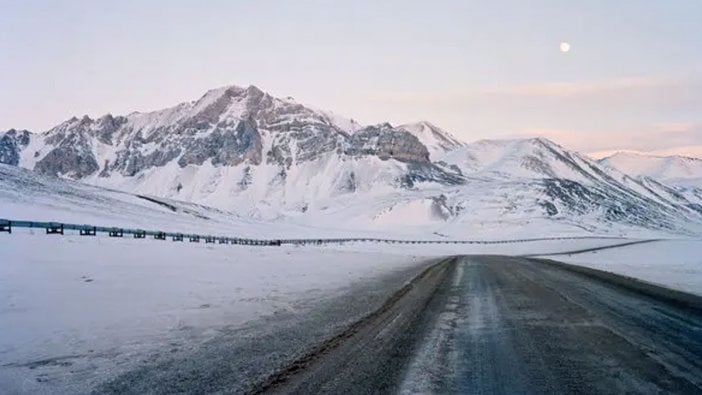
[[480, 209], [523, 158], [261, 158], [437, 140], [676, 170]]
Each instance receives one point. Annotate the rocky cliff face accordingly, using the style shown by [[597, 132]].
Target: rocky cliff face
[[437, 140], [12, 143], [386, 142], [228, 127]]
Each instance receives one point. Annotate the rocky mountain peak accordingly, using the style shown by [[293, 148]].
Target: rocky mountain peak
[[437, 140], [226, 127], [12, 142], [386, 142]]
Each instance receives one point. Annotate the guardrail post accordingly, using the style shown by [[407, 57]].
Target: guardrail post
[[54, 229], [88, 231], [6, 226]]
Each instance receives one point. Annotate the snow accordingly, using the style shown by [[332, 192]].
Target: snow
[[506, 193], [518, 158], [675, 264], [98, 305], [437, 140], [95, 306], [88, 308], [37, 150], [484, 210], [411, 213], [348, 125], [151, 121], [694, 151], [108, 303], [676, 170]]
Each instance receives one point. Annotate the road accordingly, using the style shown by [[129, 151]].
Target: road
[[474, 324], [238, 359], [507, 325]]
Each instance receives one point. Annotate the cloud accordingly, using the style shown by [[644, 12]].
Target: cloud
[[676, 137], [634, 112], [543, 89], [676, 127], [571, 89]]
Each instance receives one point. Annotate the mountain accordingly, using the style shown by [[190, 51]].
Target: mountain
[[538, 173], [234, 147], [12, 143], [437, 140], [256, 156], [523, 158], [676, 170]]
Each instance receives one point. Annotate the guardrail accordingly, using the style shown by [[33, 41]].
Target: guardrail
[[60, 228]]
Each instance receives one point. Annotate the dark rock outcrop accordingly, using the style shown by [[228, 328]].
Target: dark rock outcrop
[[385, 142], [12, 143]]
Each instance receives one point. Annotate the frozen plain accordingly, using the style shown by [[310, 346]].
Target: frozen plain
[[79, 310]]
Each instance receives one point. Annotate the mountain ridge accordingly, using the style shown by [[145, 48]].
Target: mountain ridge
[[678, 170], [243, 150]]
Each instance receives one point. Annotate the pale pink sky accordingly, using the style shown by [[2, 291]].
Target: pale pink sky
[[632, 79]]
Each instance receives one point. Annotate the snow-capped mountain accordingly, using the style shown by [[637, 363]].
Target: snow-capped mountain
[[257, 156], [676, 170], [437, 140], [523, 158], [234, 147]]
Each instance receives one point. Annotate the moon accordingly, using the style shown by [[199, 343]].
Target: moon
[[565, 47]]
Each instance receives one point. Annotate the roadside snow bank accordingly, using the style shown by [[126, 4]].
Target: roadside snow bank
[[74, 309], [675, 264]]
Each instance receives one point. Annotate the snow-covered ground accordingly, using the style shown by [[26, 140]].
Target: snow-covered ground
[[72, 306], [75, 309], [675, 264], [80, 309]]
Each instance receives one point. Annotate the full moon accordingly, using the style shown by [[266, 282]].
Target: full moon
[[565, 47]]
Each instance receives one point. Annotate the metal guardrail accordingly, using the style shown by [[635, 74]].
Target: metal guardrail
[[112, 231]]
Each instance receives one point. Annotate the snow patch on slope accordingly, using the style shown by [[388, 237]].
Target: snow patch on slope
[[677, 170], [437, 140]]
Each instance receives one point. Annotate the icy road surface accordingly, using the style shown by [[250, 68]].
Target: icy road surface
[[508, 325], [512, 325]]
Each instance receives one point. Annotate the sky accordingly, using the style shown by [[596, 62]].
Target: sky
[[479, 69]]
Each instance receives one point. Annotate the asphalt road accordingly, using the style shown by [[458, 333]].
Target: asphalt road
[[491, 324], [476, 324]]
